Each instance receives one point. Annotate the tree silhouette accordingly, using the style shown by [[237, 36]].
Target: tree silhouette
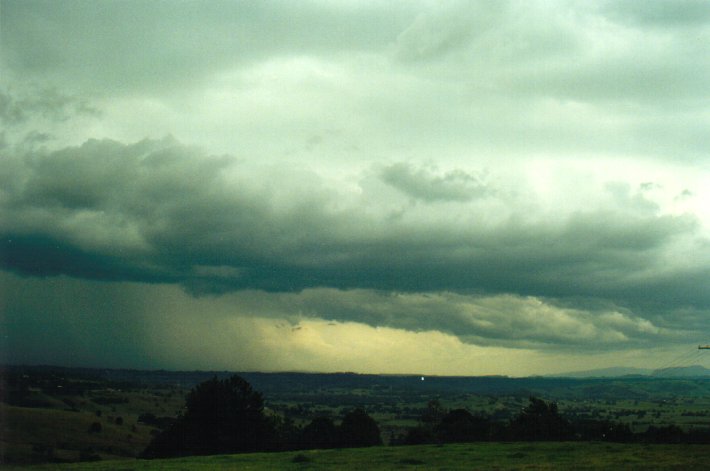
[[665, 434], [359, 429], [433, 414], [424, 432], [320, 433], [460, 426], [222, 416], [540, 421]]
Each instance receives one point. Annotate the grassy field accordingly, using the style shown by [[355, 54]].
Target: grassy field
[[532, 456], [30, 434], [54, 409]]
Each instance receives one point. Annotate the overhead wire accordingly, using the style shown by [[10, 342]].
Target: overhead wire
[[687, 358]]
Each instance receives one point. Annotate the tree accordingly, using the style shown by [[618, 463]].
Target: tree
[[433, 414], [604, 430], [424, 432], [419, 435], [665, 434], [460, 426], [222, 416], [358, 430], [540, 421], [320, 433], [286, 434]]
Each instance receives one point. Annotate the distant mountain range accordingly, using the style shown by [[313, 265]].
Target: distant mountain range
[[620, 371]]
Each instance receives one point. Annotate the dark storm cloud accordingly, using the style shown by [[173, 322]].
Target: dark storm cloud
[[160, 211], [61, 320]]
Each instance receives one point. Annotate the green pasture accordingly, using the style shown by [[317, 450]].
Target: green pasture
[[31, 435], [488, 456]]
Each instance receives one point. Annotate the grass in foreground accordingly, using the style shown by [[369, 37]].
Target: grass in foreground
[[522, 456]]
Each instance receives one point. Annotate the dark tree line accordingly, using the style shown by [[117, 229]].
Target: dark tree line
[[538, 421], [227, 416]]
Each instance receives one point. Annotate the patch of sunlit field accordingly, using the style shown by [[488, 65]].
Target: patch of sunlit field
[[522, 456]]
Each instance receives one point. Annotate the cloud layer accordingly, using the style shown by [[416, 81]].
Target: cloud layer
[[160, 212], [518, 175]]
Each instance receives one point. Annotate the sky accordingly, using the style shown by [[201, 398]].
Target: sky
[[425, 187]]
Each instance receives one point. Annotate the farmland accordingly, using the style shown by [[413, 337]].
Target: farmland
[[61, 415]]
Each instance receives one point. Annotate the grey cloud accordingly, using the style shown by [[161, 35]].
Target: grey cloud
[[427, 185], [446, 28], [660, 75], [158, 211], [547, 49], [483, 77], [159, 46], [45, 103], [536, 48], [676, 13]]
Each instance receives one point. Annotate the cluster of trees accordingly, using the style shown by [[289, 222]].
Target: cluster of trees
[[538, 421], [227, 416]]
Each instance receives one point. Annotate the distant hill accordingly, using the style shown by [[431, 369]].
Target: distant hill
[[613, 372], [693, 371], [681, 371]]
